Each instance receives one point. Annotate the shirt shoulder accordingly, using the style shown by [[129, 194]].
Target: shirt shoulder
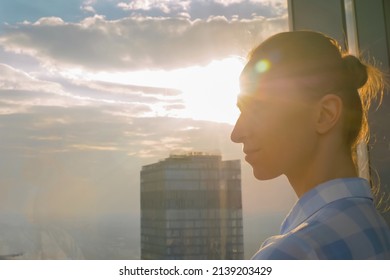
[[344, 229], [288, 246]]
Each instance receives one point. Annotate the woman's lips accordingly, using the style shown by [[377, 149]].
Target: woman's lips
[[250, 151], [251, 154]]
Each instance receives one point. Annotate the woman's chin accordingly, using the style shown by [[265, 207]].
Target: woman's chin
[[262, 175]]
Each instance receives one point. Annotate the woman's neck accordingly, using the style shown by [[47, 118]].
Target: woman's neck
[[323, 167]]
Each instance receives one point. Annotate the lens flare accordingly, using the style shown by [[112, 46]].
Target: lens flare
[[262, 66]]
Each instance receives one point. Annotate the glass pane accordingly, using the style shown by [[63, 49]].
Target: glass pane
[[90, 93]]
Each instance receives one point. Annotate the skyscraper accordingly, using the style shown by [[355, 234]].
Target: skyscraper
[[191, 208]]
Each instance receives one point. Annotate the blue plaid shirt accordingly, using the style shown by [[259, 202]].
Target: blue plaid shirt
[[335, 220]]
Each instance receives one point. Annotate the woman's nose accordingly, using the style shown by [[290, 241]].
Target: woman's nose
[[237, 134]]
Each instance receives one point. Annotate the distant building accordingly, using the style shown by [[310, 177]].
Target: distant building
[[191, 208]]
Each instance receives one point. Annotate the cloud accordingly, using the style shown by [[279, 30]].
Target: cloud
[[242, 9], [87, 6], [21, 92], [13, 79], [128, 93], [50, 119], [128, 100], [137, 43], [166, 6], [93, 147], [228, 2]]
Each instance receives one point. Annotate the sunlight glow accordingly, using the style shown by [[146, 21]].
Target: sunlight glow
[[208, 92]]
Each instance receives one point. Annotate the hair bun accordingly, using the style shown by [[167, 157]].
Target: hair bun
[[356, 71]]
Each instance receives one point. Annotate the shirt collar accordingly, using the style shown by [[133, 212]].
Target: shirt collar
[[323, 194]]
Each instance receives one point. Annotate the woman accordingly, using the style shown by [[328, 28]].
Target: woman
[[303, 110]]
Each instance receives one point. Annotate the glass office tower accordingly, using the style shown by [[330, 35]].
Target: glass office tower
[[191, 208]]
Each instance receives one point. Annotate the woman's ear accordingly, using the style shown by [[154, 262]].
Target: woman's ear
[[329, 112]]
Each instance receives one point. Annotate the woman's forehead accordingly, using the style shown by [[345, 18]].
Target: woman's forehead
[[267, 85]]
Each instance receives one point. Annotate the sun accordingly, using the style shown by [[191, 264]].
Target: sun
[[210, 92]]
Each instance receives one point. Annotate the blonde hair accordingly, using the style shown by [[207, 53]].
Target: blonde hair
[[366, 84]]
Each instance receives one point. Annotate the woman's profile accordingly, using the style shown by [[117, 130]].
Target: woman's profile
[[303, 105]]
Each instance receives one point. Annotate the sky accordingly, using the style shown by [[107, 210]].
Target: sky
[[92, 90]]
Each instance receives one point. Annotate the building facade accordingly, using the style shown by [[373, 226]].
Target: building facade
[[191, 208]]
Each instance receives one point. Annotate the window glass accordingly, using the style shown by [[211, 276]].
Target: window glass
[[92, 93]]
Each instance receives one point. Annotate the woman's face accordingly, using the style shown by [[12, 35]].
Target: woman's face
[[276, 128]]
